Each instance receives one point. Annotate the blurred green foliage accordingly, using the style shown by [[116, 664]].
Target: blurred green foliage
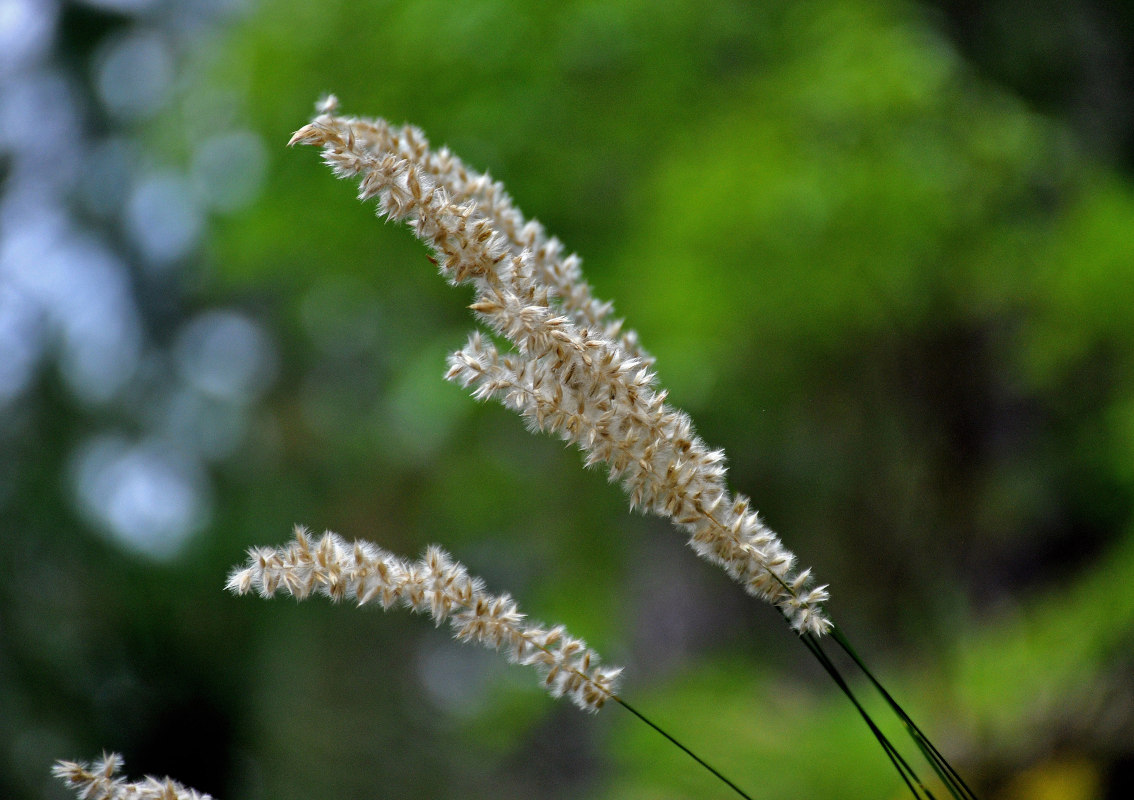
[[896, 296]]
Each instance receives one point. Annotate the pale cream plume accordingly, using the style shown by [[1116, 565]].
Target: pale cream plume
[[435, 585], [568, 374], [100, 781]]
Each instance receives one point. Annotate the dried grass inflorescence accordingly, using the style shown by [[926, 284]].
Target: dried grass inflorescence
[[572, 369], [435, 585], [100, 781]]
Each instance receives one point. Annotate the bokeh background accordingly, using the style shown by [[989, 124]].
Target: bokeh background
[[883, 251]]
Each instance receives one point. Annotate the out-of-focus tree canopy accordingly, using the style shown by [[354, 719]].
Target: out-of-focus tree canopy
[[883, 258]]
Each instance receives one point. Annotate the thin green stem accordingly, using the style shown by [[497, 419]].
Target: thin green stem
[[949, 776], [913, 783], [687, 751]]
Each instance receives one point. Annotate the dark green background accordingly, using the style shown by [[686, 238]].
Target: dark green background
[[884, 254]]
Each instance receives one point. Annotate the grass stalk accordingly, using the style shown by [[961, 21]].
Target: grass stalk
[[945, 772], [683, 748]]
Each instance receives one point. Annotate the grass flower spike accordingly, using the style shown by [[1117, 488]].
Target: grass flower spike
[[571, 370], [100, 781], [435, 585]]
